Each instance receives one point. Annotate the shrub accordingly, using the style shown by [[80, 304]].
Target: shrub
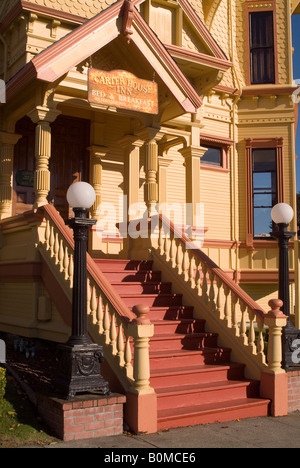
[[2, 382]]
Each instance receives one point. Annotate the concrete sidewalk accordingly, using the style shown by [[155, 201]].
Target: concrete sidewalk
[[266, 432]]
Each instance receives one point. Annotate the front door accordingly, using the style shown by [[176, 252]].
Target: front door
[[69, 160]]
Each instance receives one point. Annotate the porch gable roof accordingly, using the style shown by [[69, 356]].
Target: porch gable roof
[[58, 59]]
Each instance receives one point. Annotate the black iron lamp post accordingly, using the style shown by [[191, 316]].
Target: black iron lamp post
[[282, 214], [79, 369]]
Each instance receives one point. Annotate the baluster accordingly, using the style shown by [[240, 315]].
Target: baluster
[[243, 330], [227, 316], [173, 252], [261, 342], [100, 314], [161, 240], [106, 324], [212, 291], [198, 277], [47, 234], [120, 343], [204, 284], [219, 311], [56, 248], [61, 256], [128, 358], [185, 265], [113, 334], [94, 305], [191, 273], [88, 295], [71, 270], [234, 308], [66, 263], [51, 241], [252, 344], [179, 258], [167, 247]]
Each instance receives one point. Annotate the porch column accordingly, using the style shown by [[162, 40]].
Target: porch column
[[43, 117], [151, 136], [192, 155], [96, 155], [7, 144], [131, 145]]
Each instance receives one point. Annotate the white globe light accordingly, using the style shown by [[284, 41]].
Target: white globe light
[[81, 195], [282, 213]]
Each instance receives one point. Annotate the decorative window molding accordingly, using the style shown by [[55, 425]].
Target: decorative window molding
[[223, 144], [259, 7], [262, 143]]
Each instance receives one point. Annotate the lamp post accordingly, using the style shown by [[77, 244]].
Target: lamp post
[[282, 214], [79, 369]]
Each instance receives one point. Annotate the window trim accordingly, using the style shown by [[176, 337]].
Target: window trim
[[224, 144], [261, 143], [257, 7]]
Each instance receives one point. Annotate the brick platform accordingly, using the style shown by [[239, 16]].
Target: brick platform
[[294, 391], [84, 417]]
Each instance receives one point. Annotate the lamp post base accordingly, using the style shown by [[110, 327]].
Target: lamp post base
[[79, 370], [290, 343]]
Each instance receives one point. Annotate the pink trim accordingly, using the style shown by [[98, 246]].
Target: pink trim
[[197, 57]]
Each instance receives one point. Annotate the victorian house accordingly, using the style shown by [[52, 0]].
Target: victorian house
[[181, 114]]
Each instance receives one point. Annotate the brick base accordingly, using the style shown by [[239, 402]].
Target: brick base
[[294, 391], [84, 417]]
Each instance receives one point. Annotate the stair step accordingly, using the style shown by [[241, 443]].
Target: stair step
[[190, 341], [205, 393], [152, 300], [143, 287], [211, 413], [167, 359], [171, 313], [108, 265], [129, 276], [182, 326], [162, 378]]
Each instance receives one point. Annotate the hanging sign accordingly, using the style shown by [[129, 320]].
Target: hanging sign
[[25, 178], [123, 90]]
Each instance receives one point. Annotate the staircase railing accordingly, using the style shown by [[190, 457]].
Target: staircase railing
[[123, 334], [240, 321]]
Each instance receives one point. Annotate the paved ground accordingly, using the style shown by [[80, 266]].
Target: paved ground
[[283, 432]]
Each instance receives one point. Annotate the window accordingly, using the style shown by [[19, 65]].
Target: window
[[264, 185], [264, 173], [212, 156], [262, 53]]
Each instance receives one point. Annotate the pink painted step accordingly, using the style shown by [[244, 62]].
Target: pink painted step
[[183, 326], [152, 300], [166, 359], [109, 265], [191, 341], [163, 378], [148, 287], [210, 413], [186, 395]]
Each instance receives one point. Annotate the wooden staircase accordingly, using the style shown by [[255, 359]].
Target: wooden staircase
[[193, 377]]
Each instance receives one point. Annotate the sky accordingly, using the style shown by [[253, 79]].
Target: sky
[[296, 61]]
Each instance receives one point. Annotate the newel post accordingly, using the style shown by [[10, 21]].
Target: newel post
[[274, 382], [141, 406]]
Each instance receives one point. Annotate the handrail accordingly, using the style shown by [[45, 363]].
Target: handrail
[[117, 303], [217, 298], [216, 269]]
